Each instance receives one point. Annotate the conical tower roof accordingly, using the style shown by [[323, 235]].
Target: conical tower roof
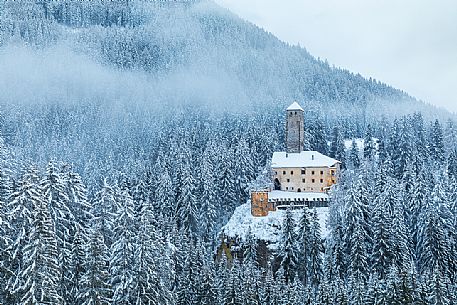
[[294, 106]]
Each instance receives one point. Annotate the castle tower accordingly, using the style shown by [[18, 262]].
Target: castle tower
[[295, 130]]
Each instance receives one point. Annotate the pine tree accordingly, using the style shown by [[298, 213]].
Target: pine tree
[[337, 148], [315, 253], [304, 245], [76, 264], [104, 209], [434, 249], [187, 212], [148, 287], [21, 208], [122, 252], [353, 157], [436, 143], [288, 248], [208, 211], [95, 283], [53, 186], [357, 238], [38, 280], [369, 148]]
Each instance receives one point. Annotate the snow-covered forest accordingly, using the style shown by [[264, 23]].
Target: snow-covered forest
[[131, 130]]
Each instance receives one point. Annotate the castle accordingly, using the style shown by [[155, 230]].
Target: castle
[[300, 178]]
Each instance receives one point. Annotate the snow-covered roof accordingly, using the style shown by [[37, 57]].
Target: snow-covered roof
[[283, 195], [266, 228], [302, 159], [295, 106]]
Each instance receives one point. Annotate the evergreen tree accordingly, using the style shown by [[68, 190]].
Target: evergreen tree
[[337, 148], [22, 205], [147, 285], [369, 148], [187, 212], [304, 245], [436, 143], [55, 194], [353, 157], [122, 252], [315, 253], [288, 251], [38, 281], [95, 283]]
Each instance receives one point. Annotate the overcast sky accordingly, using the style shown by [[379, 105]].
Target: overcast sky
[[409, 44]]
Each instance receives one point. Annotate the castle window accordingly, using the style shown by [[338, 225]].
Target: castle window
[[288, 180], [291, 172], [303, 172], [322, 172], [322, 180], [283, 172], [287, 188], [295, 112], [303, 180], [312, 173], [333, 173], [292, 188], [313, 180], [276, 172]]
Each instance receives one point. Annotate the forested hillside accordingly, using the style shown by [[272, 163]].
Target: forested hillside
[[131, 130]]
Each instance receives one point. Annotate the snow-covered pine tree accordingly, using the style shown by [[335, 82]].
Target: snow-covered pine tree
[[122, 251], [187, 203], [288, 253], [20, 211], [304, 246], [148, 286], [78, 202], [104, 209], [95, 283], [337, 148], [164, 193], [208, 284], [38, 280], [207, 211], [77, 261], [315, 253], [382, 254], [5, 227], [353, 156], [54, 189], [250, 252], [369, 148], [434, 249], [357, 239], [437, 150]]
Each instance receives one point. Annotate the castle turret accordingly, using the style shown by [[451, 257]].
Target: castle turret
[[295, 130]]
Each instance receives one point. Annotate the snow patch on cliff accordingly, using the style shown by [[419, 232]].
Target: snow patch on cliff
[[266, 228]]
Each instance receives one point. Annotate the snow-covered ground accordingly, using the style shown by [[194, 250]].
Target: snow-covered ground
[[266, 228]]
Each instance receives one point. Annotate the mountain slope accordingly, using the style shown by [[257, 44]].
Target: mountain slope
[[204, 52]]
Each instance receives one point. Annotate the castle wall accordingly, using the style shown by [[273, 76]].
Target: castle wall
[[317, 179]]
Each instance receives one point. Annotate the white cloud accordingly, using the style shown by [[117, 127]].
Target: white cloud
[[409, 44]]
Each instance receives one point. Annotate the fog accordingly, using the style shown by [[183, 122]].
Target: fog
[[408, 44]]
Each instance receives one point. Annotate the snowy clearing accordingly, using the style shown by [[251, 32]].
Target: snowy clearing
[[266, 228]]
